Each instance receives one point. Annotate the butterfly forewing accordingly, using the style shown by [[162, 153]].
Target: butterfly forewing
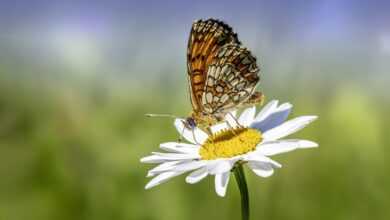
[[206, 38]]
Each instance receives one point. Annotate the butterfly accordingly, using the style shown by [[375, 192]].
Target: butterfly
[[222, 75]]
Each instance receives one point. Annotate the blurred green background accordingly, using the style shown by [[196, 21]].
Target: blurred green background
[[76, 79]]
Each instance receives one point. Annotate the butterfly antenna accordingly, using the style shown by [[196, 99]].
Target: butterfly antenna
[[161, 115], [181, 135]]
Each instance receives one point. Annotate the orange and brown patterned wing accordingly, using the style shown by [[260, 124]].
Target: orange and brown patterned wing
[[232, 77], [206, 39]]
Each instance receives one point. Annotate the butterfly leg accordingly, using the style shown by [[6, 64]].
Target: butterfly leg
[[231, 127], [181, 135], [209, 132], [235, 119], [193, 136]]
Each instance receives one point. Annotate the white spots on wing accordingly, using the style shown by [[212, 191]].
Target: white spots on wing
[[201, 25], [222, 52], [236, 53], [230, 77], [209, 97], [219, 89], [243, 93], [248, 90], [234, 81], [229, 52], [241, 85], [210, 81], [226, 69], [236, 98], [212, 71], [217, 72], [214, 27], [224, 98], [208, 109], [204, 102], [195, 25]]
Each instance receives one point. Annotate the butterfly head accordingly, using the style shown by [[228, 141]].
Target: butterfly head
[[190, 123]]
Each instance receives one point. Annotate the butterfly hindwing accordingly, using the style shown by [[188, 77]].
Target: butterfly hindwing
[[231, 79]]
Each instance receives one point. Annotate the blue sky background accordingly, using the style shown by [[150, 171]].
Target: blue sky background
[[149, 37]]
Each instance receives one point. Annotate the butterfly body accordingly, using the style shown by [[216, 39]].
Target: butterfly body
[[222, 74]]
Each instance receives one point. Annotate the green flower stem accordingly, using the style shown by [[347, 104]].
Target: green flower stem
[[241, 182]]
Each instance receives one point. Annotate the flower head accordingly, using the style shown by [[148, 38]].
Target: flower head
[[250, 139]]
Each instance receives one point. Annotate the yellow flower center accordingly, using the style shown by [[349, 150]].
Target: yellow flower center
[[229, 143]]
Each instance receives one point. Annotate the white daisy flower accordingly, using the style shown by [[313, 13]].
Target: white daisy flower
[[250, 139]]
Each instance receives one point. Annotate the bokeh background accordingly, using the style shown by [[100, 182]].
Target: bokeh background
[[76, 79]]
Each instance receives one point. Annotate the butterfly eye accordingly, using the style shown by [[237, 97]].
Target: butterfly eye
[[190, 123]]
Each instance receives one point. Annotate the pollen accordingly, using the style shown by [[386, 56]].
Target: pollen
[[229, 143]]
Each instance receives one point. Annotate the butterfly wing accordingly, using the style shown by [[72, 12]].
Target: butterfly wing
[[232, 77], [206, 39]]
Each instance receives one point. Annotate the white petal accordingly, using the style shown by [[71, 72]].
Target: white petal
[[158, 157], [277, 147], [261, 169], [197, 175], [247, 116], [218, 127], [186, 165], [191, 165], [179, 147], [162, 168], [288, 128], [195, 136], [153, 159], [219, 166], [273, 119], [177, 156], [258, 157], [161, 178], [221, 183], [266, 110], [231, 118]]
